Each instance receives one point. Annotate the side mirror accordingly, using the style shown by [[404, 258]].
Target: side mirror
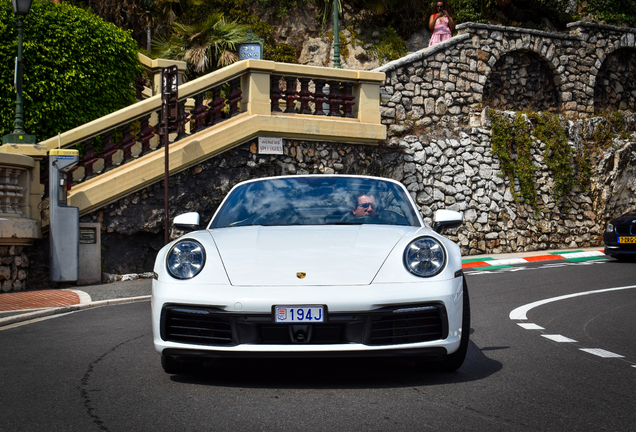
[[446, 219], [187, 221]]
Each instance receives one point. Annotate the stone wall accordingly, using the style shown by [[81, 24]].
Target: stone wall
[[615, 83], [462, 174], [450, 78], [521, 81], [13, 268]]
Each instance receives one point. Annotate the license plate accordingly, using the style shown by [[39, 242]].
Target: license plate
[[627, 239], [299, 314]]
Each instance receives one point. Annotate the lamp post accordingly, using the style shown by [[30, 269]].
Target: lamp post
[[19, 136], [336, 35]]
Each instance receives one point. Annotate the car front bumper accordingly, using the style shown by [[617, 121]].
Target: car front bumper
[[201, 321]]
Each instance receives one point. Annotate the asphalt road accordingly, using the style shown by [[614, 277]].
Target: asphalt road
[[97, 370]]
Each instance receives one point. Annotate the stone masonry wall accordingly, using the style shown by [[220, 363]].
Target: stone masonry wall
[[461, 174], [13, 268], [615, 83], [521, 81], [449, 78]]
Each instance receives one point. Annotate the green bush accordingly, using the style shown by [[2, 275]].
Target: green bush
[[611, 11], [76, 68], [283, 53]]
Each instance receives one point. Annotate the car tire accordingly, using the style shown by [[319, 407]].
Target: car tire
[[454, 361]]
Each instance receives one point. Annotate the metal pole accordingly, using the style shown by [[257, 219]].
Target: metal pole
[[166, 175], [19, 135], [19, 107], [336, 36]]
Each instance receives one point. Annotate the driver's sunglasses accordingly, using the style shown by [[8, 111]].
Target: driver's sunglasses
[[367, 205]]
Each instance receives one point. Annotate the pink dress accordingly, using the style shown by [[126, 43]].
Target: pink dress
[[441, 32]]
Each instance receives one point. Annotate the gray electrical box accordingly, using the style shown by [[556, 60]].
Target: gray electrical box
[[63, 220], [90, 257]]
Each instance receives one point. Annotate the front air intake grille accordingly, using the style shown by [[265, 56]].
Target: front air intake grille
[[195, 326], [625, 229], [387, 326], [408, 326]]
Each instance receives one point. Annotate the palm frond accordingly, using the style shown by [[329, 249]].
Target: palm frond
[[226, 58]]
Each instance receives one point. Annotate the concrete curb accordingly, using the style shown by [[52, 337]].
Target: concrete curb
[[66, 309]]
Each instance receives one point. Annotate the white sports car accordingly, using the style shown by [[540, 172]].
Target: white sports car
[[312, 266]]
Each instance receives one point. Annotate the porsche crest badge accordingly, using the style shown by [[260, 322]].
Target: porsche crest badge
[[301, 275]]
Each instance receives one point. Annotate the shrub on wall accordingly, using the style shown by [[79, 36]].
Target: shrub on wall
[[76, 68]]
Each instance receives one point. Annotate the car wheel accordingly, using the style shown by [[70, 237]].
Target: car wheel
[[453, 361]]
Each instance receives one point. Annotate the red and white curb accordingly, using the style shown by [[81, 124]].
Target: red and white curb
[[494, 262]]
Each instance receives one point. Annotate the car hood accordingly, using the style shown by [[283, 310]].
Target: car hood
[[306, 255], [627, 218]]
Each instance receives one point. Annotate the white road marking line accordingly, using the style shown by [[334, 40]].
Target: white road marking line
[[530, 326], [507, 261], [558, 338], [520, 312], [581, 254], [601, 353]]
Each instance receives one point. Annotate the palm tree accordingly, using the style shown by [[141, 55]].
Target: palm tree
[[204, 46], [160, 13]]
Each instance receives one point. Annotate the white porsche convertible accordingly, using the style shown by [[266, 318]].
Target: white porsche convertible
[[311, 266]]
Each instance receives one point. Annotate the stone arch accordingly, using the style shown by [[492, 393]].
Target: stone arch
[[522, 79], [615, 83]]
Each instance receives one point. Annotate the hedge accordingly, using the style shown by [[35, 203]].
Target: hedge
[[77, 68]]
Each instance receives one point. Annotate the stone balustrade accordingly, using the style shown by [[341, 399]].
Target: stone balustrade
[[218, 111], [20, 200]]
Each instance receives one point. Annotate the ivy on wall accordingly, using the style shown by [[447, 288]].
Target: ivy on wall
[[558, 154], [512, 142]]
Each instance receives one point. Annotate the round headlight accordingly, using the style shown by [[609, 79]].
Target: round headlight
[[186, 259], [424, 257], [610, 228]]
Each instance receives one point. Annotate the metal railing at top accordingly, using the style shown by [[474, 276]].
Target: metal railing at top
[[132, 132]]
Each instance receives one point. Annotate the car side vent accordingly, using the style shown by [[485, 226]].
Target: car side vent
[[195, 326], [417, 324]]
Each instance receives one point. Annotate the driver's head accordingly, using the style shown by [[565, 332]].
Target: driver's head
[[366, 206]]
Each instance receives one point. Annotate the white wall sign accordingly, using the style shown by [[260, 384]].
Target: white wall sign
[[270, 145]]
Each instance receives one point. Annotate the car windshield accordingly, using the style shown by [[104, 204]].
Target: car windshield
[[316, 200]]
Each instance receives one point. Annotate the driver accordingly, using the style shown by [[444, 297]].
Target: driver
[[366, 206]]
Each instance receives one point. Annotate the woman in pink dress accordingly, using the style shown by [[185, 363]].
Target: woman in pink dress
[[440, 23]]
